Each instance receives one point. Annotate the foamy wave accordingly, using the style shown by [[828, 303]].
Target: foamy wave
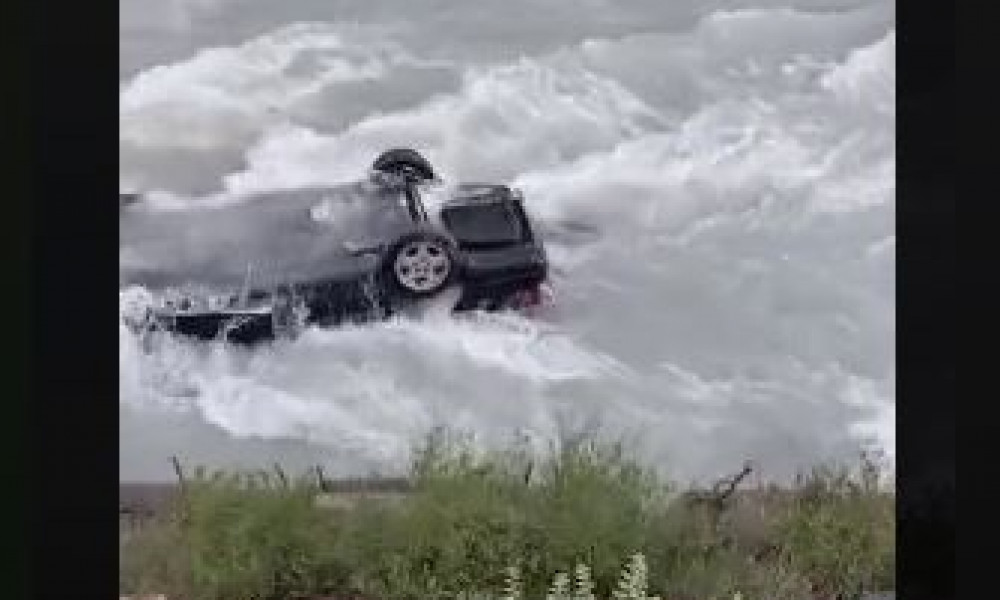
[[329, 387], [867, 80], [774, 417], [226, 96], [729, 158], [501, 120]]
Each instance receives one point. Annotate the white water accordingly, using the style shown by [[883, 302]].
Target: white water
[[733, 299]]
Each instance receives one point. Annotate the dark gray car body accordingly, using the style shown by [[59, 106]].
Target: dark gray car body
[[239, 271]]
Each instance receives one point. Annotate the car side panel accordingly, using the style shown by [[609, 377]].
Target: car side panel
[[273, 239]]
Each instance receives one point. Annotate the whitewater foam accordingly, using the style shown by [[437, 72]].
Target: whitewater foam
[[718, 203]]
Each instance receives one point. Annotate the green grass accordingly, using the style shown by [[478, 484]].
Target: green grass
[[472, 517]]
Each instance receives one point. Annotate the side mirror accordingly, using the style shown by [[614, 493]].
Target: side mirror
[[517, 194]]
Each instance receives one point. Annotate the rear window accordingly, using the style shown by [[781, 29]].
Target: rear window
[[483, 224]]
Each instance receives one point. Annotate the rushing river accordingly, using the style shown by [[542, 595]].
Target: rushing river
[[732, 296]]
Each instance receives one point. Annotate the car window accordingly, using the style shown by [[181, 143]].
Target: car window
[[493, 223]]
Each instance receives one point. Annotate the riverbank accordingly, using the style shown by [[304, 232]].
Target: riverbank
[[464, 519]]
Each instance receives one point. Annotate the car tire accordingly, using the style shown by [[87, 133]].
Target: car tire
[[420, 265], [406, 162]]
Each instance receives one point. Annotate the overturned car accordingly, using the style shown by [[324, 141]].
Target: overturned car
[[275, 262]]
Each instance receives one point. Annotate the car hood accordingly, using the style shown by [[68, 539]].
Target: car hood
[[265, 239]]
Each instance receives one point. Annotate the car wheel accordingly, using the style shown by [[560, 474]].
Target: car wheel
[[421, 264], [406, 162]]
